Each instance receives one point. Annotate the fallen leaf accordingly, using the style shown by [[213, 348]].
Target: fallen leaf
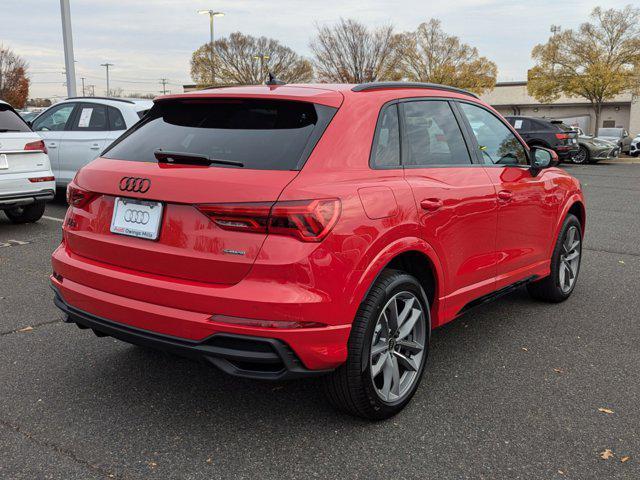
[[621, 262], [625, 458], [560, 472], [605, 410], [558, 370], [152, 464], [525, 349], [606, 454], [209, 460], [25, 329]]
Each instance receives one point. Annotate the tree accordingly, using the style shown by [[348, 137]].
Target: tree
[[14, 84], [430, 55], [246, 60], [350, 53], [598, 61]]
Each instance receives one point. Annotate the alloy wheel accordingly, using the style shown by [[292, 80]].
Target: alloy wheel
[[581, 156], [397, 347], [569, 260]]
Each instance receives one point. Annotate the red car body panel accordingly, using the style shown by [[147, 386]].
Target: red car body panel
[[475, 241]]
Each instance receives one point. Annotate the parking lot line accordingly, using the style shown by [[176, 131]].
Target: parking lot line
[[53, 218]]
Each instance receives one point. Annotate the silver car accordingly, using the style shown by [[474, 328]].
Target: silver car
[[617, 135]]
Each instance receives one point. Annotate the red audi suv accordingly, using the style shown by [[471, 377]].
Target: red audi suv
[[282, 231]]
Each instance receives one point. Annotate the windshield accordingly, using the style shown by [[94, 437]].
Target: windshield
[[259, 134], [610, 132]]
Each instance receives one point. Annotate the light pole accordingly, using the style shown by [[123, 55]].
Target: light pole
[[211, 14], [107, 65], [67, 40], [263, 58]]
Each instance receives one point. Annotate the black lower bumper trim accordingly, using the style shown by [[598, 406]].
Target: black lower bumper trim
[[239, 355], [25, 198]]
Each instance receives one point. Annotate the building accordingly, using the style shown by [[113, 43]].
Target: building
[[511, 98]]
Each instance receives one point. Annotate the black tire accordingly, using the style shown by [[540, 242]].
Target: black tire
[[26, 214], [548, 289], [350, 388], [582, 157]]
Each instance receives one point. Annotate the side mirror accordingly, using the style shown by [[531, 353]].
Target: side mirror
[[542, 158]]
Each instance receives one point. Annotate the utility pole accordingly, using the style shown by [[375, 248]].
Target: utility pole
[[107, 65], [555, 29], [92, 89], [67, 40], [163, 82], [83, 79]]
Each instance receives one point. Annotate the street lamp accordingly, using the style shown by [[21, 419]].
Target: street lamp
[[263, 58], [211, 14]]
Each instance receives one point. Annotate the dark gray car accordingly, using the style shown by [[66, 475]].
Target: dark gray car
[[617, 135]]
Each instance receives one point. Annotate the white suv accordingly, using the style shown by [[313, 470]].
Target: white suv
[[78, 129], [634, 149], [26, 180]]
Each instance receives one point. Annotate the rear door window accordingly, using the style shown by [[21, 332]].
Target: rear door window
[[260, 134], [91, 117], [432, 135], [10, 121]]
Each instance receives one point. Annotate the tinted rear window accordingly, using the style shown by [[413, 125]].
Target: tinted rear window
[[261, 134], [10, 121]]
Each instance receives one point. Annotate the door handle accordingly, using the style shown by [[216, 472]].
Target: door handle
[[431, 204], [505, 195], [52, 145], [95, 146]]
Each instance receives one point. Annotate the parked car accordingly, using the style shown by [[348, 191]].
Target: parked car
[[26, 180], [619, 136], [314, 230], [634, 148], [76, 130], [593, 150], [542, 132]]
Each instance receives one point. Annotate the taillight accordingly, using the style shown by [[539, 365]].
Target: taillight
[[562, 136], [41, 179], [252, 322], [306, 220], [38, 145], [77, 197]]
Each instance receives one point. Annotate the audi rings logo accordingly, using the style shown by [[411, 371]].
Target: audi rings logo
[[135, 184], [136, 216]]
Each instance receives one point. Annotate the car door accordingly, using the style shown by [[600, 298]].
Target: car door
[[84, 140], [51, 126], [455, 198], [527, 202]]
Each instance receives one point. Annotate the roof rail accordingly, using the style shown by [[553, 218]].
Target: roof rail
[[363, 87], [102, 98]]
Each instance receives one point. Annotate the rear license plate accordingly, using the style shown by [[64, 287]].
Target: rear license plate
[[136, 218]]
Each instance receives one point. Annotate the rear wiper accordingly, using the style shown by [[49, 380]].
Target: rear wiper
[[186, 158]]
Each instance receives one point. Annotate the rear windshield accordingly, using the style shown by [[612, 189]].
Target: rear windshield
[[260, 134], [10, 121], [562, 126]]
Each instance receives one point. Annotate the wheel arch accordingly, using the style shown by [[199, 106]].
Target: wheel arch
[[575, 205], [414, 256]]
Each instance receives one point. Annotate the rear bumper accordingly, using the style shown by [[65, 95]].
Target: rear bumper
[[25, 198], [169, 308], [239, 355]]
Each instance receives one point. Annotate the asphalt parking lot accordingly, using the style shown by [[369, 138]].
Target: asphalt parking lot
[[514, 390]]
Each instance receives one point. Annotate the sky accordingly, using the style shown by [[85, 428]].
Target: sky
[[147, 40]]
